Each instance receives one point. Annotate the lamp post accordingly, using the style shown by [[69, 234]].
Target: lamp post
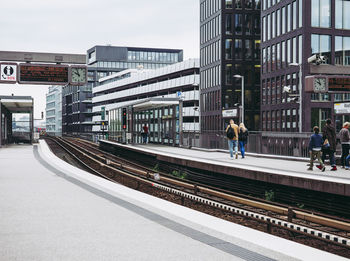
[[242, 78], [300, 97]]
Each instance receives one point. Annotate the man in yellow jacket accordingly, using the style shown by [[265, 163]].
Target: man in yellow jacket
[[232, 131]]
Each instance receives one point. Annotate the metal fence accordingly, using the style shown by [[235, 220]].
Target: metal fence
[[286, 144]]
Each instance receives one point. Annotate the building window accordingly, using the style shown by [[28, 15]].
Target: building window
[[238, 23], [289, 18], [321, 44], [238, 4], [264, 29], [278, 22], [283, 54], [248, 24], [257, 4], [248, 4], [283, 20], [257, 24], [268, 27], [228, 24], [248, 49], [257, 49], [294, 15], [228, 4], [228, 49], [229, 74], [300, 53], [300, 13], [278, 56], [342, 8], [342, 50], [273, 17], [238, 49], [321, 13], [288, 52]]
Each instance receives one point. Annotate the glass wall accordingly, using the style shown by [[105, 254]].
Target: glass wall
[[342, 50], [321, 44], [321, 13], [153, 56], [342, 8]]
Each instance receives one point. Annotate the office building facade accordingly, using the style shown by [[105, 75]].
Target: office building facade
[[293, 31], [54, 111], [180, 80], [103, 61], [229, 46]]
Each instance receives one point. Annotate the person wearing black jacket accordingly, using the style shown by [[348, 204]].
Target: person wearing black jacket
[[330, 138], [242, 138]]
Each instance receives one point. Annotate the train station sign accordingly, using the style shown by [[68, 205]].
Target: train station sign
[[43, 74], [43, 68], [8, 72]]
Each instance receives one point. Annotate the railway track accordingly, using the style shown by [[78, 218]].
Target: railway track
[[325, 232]]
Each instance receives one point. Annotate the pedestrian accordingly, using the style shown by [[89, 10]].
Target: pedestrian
[[345, 142], [315, 147], [145, 133], [242, 138], [232, 138], [330, 144]]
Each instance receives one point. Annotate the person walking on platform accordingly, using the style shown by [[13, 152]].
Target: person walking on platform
[[242, 138], [345, 142], [145, 133], [232, 137], [315, 147], [330, 143]]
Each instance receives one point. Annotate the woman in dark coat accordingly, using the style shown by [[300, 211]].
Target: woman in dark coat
[[330, 136], [242, 138]]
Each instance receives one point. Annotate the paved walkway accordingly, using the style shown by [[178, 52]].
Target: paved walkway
[[53, 211], [277, 166]]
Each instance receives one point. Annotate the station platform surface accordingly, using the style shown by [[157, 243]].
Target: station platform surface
[[291, 172], [51, 210]]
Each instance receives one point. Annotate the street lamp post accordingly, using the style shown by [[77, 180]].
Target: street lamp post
[[300, 97], [242, 79]]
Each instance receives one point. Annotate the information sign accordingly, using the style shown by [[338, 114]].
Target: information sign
[[342, 108], [8, 72], [43, 74], [338, 84], [229, 113]]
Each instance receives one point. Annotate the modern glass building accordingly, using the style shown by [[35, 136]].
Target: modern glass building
[[54, 111], [229, 45], [293, 31], [151, 93], [103, 61]]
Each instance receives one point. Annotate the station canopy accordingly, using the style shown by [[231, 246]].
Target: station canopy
[[17, 104], [153, 103]]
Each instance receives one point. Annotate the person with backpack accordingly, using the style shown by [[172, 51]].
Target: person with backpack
[[315, 147], [232, 138], [242, 138]]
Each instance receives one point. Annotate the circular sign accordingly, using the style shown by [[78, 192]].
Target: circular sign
[[8, 70]]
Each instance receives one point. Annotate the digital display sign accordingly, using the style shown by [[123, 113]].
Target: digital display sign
[[43, 74], [338, 84]]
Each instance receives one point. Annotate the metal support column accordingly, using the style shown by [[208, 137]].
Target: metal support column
[[0, 125], [31, 123], [180, 122]]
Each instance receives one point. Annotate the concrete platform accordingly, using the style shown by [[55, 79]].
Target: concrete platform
[[282, 172], [51, 210]]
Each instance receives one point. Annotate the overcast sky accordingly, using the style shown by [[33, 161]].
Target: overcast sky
[[73, 26]]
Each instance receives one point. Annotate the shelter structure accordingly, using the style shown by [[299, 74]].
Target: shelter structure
[[14, 129]]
